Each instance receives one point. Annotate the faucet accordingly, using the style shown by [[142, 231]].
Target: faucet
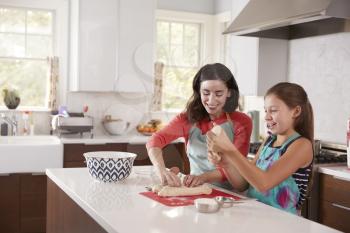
[[12, 122]]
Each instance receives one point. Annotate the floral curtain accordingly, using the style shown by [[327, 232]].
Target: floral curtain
[[158, 86], [54, 75]]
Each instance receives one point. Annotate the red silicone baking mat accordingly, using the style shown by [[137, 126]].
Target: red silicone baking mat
[[185, 200]]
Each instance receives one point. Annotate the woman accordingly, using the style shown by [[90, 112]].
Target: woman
[[214, 101], [280, 172]]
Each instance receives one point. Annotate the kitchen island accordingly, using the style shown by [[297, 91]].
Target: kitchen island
[[78, 203]]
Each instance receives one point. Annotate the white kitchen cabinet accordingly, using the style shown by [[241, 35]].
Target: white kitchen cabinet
[[93, 45], [258, 63], [136, 46], [112, 45]]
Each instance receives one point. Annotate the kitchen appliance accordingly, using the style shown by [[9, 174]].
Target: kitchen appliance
[[285, 19], [254, 115], [330, 154], [75, 123], [254, 147]]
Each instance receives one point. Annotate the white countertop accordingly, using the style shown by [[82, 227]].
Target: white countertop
[[342, 172], [118, 207]]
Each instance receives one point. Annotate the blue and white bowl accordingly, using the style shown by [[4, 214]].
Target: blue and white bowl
[[109, 166]]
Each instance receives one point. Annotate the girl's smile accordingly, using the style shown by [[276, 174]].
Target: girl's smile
[[279, 117]]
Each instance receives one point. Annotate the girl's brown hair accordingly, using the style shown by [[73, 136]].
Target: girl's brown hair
[[194, 109], [294, 95]]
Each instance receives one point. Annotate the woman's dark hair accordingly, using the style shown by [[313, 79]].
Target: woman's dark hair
[[194, 109], [294, 95]]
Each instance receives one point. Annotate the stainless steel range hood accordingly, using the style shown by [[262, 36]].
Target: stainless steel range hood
[[290, 19]]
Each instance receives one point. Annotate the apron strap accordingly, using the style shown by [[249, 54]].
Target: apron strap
[[289, 142], [285, 145]]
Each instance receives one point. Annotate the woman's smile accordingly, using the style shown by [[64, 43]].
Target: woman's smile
[[214, 94]]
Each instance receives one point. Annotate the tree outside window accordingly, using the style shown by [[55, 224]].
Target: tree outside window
[[178, 47], [26, 40]]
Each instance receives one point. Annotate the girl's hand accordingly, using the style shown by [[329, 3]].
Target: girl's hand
[[221, 161], [220, 144], [193, 181]]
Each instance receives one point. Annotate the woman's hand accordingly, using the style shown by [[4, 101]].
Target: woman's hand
[[193, 181], [169, 177]]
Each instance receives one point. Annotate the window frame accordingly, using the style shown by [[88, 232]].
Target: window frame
[[26, 57], [59, 38], [206, 37], [199, 40]]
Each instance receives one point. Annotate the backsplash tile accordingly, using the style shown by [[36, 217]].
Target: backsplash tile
[[322, 66]]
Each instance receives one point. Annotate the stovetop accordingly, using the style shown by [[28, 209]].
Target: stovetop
[[254, 147], [329, 157], [331, 153]]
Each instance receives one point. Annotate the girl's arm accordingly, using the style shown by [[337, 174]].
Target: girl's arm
[[299, 154], [232, 174]]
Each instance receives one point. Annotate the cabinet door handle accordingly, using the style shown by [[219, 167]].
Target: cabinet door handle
[[38, 173], [341, 206], [341, 178]]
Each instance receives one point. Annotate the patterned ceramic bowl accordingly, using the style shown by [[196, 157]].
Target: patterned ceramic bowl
[[109, 166]]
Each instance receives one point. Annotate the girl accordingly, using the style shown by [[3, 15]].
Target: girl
[[214, 100], [280, 172]]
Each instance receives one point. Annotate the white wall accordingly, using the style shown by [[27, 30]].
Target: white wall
[[222, 6], [133, 108], [194, 6], [322, 66]]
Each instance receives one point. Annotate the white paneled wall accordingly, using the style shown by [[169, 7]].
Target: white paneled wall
[[322, 66]]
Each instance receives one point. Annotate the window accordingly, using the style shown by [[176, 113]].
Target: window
[[178, 48], [26, 40]]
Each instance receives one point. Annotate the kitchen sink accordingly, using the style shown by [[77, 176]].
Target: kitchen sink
[[32, 154]]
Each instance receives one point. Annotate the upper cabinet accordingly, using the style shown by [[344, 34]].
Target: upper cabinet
[[111, 45], [136, 46], [93, 45], [258, 64]]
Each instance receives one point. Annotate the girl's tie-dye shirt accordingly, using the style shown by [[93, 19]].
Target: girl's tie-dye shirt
[[285, 195]]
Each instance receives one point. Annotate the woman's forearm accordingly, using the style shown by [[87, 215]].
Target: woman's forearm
[[156, 156]]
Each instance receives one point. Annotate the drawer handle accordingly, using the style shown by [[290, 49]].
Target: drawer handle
[[341, 207], [95, 143], [38, 173], [341, 178]]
